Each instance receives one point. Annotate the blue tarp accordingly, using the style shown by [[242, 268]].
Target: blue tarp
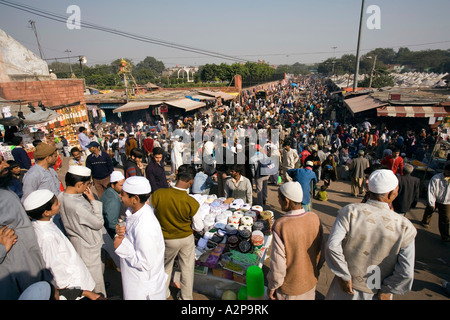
[[189, 97]]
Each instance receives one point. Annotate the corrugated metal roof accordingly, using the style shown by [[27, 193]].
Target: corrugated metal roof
[[363, 103], [218, 94], [136, 105], [186, 104]]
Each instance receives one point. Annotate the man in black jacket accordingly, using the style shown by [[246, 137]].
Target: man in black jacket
[[101, 165], [155, 172], [408, 191]]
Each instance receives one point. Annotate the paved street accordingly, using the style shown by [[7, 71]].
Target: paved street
[[432, 256]]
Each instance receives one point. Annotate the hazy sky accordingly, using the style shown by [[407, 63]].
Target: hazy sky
[[277, 31]]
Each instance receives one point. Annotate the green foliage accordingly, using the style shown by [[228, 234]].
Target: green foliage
[[106, 76], [225, 72], [420, 61]]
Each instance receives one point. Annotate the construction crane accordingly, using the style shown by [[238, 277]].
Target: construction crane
[[128, 79]]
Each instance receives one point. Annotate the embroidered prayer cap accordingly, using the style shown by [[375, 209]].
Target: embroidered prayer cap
[[382, 181], [44, 150], [116, 176], [293, 191], [137, 185], [309, 163], [80, 171], [37, 199]]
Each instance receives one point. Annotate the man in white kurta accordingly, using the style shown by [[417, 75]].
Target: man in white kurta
[[141, 251], [176, 155], [68, 270]]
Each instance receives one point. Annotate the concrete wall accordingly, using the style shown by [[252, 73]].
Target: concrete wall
[[18, 60]]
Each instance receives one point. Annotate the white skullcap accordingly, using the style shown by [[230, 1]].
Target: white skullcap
[[37, 199], [80, 171], [257, 208], [293, 191], [137, 185], [37, 291], [309, 163], [382, 181], [116, 176]]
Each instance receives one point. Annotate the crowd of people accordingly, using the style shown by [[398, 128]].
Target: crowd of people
[[119, 201]]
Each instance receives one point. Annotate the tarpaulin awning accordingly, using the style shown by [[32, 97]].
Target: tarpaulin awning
[[136, 105], [31, 118], [413, 111], [363, 103], [186, 104]]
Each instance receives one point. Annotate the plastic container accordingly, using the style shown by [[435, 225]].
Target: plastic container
[[242, 294], [255, 283], [257, 239]]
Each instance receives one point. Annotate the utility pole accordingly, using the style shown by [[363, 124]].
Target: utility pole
[[355, 82], [33, 26], [334, 58], [70, 65], [373, 70]]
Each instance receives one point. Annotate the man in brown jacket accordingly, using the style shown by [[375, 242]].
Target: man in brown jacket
[[296, 249]]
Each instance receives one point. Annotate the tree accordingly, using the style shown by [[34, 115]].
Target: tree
[[143, 76], [381, 78], [150, 63]]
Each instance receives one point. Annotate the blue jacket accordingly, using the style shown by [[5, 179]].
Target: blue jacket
[[304, 177]]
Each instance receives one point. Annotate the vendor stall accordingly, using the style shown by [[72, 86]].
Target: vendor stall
[[235, 236], [67, 124]]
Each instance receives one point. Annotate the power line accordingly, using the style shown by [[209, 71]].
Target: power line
[[85, 24]]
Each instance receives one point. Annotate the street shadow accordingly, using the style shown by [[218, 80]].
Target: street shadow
[[419, 285], [324, 208]]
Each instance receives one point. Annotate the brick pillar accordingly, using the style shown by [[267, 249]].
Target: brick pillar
[[238, 82]]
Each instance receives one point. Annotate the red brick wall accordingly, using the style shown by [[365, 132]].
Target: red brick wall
[[51, 93]]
